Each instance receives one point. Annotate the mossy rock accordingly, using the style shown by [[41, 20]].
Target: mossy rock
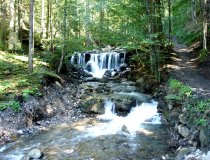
[[92, 105]]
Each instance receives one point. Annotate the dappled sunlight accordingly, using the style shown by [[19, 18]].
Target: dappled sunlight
[[172, 66]]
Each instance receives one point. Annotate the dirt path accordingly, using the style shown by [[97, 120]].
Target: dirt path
[[183, 68]]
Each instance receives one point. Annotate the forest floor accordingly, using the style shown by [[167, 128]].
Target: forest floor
[[185, 67]]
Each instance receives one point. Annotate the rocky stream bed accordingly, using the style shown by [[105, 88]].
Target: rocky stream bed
[[88, 118]]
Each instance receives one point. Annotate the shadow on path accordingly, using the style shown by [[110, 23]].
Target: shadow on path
[[183, 68]]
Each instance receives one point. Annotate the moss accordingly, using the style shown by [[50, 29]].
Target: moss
[[14, 77], [197, 109]]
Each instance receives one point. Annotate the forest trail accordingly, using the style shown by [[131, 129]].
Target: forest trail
[[184, 68]]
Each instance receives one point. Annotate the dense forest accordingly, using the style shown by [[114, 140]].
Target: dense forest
[[38, 39], [67, 26]]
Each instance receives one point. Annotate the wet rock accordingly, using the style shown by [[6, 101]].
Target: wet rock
[[108, 73], [93, 105], [35, 154], [204, 137], [124, 105], [183, 152], [123, 67], [125, 129], [183, 130]]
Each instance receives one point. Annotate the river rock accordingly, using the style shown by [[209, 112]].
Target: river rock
[[183, 119], [123, 67], [183, 130], [125, 129], [124, 105], [35, 154], [183, 152], [93, 105], [204, 137]]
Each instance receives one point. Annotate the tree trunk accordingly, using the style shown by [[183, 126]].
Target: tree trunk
[[194, 9], [43, 34], [87, 23], [205, 25], [169, 22], [64, 37], [31, 37], [12, 34], [48, 19]]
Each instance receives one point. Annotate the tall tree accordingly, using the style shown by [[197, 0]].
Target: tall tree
[[43, 19], [64, 34], [31, 37], [205, 24], [12, 30], [169, 21]]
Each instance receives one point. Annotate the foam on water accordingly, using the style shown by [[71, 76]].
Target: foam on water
[[144, 113]]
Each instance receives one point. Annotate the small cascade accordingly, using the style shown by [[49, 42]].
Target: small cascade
[[98, 63], [146, 113]]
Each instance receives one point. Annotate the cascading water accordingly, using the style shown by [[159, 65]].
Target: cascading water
[[141, 114], [98, 63]]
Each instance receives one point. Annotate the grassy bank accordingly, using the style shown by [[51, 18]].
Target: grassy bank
[[15, 82]]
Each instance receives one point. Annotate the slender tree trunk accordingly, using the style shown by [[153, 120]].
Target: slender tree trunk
[[31, 37], [194, 9], [43, 34], [64, 37], [48, 19], [12, 38], [87, 23], [205, 25], [208, 24], [169, 22]]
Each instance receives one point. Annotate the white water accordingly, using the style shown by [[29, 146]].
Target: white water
[[99, 63], [141, 114]]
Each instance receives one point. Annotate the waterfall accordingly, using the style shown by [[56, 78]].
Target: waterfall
[[146, 113], [98, 63]]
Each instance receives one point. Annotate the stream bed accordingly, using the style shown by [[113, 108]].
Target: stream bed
[[127, 126], [137, 136]]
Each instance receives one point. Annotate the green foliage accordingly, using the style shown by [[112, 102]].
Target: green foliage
[[203, 54], [198, 108], [201, 122], [177, 90], [16, 80], [11, 104], [184, 28]]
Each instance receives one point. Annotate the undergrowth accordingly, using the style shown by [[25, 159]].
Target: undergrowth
[[197, 110], [15, 80]]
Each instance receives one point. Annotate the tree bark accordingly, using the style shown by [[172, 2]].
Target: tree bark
[[43, 20], [12, 38], [205, 25], [169, 22], [31, 37], [64, 37]]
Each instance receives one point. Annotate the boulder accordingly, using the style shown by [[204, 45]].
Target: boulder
[[204, 137], [124, 105], [123, 67], [35, 154], [183, 152], [108, 73], [93, 105], [183, 118], [183, 130]]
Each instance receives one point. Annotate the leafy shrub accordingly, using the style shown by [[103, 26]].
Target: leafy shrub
[[203, 54], [178, 91], [11, 104]]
